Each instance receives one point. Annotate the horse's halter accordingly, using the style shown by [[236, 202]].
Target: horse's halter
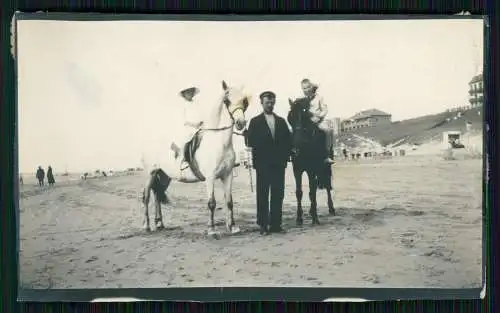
[[231, 108], [300, 111], [241, 105]]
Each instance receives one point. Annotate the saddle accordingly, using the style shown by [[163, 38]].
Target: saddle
[[190, 149]]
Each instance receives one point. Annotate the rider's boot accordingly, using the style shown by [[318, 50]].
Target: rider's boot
[[330, 159], [329, 150], [176, 149]]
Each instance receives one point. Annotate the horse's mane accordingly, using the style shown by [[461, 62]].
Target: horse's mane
[[303, 101], [300, 108], [212, 103]]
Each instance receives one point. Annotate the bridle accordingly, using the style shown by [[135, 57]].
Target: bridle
[[242, 105], [300, 111]]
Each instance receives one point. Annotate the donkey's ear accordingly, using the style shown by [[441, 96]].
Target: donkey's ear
[[224, 85]]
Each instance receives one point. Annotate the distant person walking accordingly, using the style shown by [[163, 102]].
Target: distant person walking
[[50, 176], [40, 175], [21, 180]]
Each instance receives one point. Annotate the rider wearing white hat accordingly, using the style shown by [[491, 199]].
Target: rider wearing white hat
[[192, 120]]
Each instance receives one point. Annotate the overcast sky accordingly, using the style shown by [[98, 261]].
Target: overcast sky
[[97, 94]]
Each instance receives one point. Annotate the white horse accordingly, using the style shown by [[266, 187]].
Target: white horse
[[213, 159]]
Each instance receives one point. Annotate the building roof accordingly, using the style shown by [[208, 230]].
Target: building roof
[[369, 113], [476, 78]]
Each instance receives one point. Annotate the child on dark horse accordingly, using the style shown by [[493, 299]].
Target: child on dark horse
[[318, 110], [192, 121]]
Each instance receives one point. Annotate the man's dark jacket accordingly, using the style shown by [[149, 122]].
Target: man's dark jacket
[[268, 152]]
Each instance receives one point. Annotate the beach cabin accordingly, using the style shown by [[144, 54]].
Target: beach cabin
[[452, 139]]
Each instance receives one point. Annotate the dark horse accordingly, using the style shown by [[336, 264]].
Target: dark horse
[[308, 156]]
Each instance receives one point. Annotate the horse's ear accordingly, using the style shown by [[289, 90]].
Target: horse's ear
[[224, 85], [290, 101], [246, 101]]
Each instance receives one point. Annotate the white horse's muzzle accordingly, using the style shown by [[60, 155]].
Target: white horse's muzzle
[[239, 119]]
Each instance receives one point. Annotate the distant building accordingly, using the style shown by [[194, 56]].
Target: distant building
[[367, 118], [335, 124], [476, 89]]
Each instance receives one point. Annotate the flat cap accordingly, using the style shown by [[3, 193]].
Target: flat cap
[[268, 94]]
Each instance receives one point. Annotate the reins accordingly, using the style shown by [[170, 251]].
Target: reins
[[217, 129], [225, 127]]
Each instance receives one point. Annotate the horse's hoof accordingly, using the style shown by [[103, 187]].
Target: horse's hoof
[[315, 222], [160, 227], [235, 230], [147, 229], [332, 212], [299, 222], [211, 232]]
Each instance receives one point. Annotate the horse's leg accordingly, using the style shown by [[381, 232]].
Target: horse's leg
[[158, 218], [331, 208], [146, 195], [211, 205], [228, 185], [313, 186], [329, 189], [298, 194]]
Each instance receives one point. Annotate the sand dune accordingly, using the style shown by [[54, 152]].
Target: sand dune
[[408, 222]]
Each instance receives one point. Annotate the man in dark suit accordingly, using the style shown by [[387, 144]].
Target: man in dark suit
[[270, 139]]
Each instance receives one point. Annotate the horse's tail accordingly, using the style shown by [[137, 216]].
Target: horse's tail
[[160, 185], [162, 197], [325, 177]]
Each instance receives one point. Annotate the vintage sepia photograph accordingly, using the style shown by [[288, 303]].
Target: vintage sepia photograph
[[168, 153]]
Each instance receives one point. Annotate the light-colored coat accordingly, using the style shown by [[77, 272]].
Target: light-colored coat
[[319, 111], [192, 114]]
